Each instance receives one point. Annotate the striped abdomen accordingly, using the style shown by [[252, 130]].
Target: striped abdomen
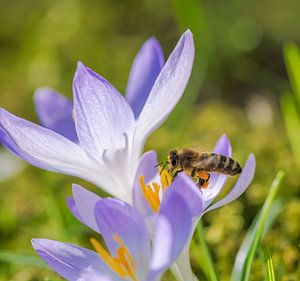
[[212, 162]]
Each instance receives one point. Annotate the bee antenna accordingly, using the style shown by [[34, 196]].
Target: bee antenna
[[164, 166], [161, 163]]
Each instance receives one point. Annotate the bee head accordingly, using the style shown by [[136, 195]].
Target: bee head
[[173, 160]]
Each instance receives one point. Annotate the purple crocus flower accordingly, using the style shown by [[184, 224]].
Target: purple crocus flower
[[111, 129], [55, 113], [182, 268], [132, 253]]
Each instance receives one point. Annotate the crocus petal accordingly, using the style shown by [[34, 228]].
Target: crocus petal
[[55, 112], [7, 141], [241, 185], [72, 262], [85, 202], [217, 181], [102, 115], [185, 187], [173, 229], [120, 170], [182, 269], [223, 146], [73, 209], [144, 71], [189, 191], [93, 277], [146, 169], [38, 145], [167, 89], [116, 217], [49, 150]]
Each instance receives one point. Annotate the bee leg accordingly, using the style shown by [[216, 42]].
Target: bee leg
[[203, 179], [200, 182], [193, 173], [176, 173]]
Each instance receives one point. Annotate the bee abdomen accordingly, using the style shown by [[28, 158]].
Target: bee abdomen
[[220, 163], [229, 166]]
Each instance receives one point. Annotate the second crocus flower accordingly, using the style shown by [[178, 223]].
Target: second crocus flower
[[133, 253], [155, 182]]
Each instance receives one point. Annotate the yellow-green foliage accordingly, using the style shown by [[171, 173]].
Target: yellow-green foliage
[[238, 60]]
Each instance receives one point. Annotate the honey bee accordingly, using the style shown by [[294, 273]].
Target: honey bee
[[200, 164]]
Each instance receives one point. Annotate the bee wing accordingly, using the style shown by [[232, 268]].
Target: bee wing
[[197, 147], [198, 162], [207, 160]]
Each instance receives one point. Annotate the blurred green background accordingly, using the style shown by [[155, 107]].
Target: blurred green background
[[238, 78]]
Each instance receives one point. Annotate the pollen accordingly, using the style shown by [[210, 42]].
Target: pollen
[[203, 175], [152, 192], [203, 179], [122, 263]]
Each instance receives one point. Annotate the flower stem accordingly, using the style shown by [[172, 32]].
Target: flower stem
[[207, 262]]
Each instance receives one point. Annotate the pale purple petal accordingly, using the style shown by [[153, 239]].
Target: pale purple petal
[[173, 229], [144, 71], [241, 185], [42, 147], [189, 191], [72, 262], [50, 151], [223, 146], [168, 88], [217, 181], [176, 211], [213, 189], [73, 209], [55, 112], [9, 143], [146, 168], [97, 277], [102, 115], [85, 202], [116, 217]]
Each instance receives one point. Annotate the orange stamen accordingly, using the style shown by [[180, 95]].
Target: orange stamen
[[122, 264], [152, 193]]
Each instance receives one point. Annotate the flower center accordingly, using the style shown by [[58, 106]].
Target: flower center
[[122, 263], [153, 192]]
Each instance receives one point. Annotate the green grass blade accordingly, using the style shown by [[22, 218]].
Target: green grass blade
[[24, 259], [292, 123], [267, 215], [206, 262], [245, 247], [292, 61], [270, 267]]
